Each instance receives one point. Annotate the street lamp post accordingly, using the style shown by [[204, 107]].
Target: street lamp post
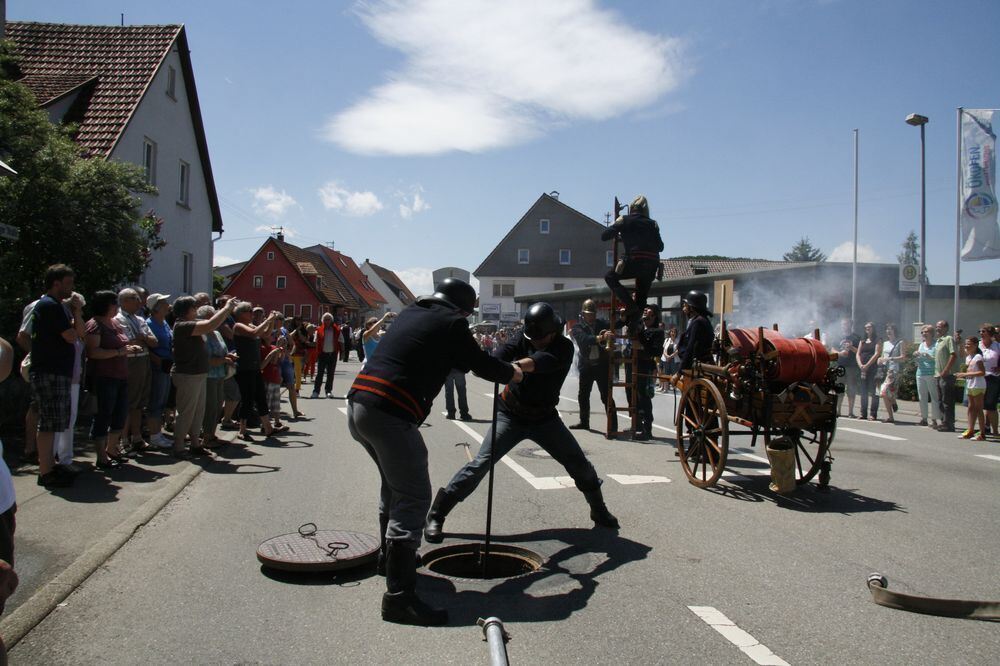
[[917, 120]]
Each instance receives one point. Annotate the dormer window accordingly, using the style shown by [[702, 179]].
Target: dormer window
[[699, 270], [543, 226]]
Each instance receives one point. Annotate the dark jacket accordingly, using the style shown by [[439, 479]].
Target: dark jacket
[[640, 236], [696, 342], [652, 349], [585, 336], [408, 368], [536, 397]]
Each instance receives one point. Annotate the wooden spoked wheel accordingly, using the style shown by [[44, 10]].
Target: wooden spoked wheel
[[811, 447], [702, 433]]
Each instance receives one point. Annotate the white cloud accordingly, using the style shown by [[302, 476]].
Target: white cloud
[[845, 252], [482, 74], [289, 232], [223, 260], [268, 201], [355, 204], [419, 280], [413, 205]]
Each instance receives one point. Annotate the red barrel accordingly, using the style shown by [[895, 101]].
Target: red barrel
[[799, 359]]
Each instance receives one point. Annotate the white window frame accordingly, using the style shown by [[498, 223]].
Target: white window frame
[[498, 288], [270, 256], [306, 311], [258, 281], [280, 282], [288, 309], [149, 160], [609, 258], [544, 226], [526, 256], [184, 190], [187, 268], [171, 83], [569, 257]]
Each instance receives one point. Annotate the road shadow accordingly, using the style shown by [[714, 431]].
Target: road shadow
[[566, 583], [216, 465], [807, 498], [346, 578]]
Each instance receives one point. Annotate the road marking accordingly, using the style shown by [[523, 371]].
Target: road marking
[[749, 645], [562, 397], [988, 457], [342, 410], [633, 479], [892, 438], [750, 454], [537, 482]]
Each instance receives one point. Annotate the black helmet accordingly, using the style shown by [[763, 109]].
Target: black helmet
[[698, 300], [540, 320], [457, 292]]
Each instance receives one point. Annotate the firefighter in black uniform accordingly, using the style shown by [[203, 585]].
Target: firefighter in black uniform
[[696, 340], [593, 363], [388, 401], [650, 344], [641, 238], [528, 411]]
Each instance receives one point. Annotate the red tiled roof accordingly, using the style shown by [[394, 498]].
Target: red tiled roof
[[393, 280], [683, 268], [56, 58], [308, 264], [348, 269]]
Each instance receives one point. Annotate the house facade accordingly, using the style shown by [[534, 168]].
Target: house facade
[[387, 283], [290, 280], [131, 92], [551, 248], [370, 301]]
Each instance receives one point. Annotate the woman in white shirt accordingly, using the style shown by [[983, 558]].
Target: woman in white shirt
[[975, 385], [990, 349]]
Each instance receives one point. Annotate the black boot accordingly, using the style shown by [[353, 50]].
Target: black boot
[[581, 425], [443, 504], [400, 603], [383, 523], [599, 511]]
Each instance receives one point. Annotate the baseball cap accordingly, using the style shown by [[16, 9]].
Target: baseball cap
[[154, 300]]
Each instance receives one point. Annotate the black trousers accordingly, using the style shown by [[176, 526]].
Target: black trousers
[[644, 272], [589, 376], [326, 362], [253, 399]]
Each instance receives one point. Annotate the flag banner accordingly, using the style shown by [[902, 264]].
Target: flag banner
[[980, 233]]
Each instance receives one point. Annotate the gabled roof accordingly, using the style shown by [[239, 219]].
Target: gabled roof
[[332, 290], [491, 265], [116, 65], [348, 270], [682, 268], [394, 283]]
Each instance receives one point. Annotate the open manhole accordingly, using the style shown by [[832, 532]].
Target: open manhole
[[465, 560]]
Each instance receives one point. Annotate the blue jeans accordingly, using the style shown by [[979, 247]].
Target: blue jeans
[[455, 381], [550, 433], [159, 389], [399, 452]]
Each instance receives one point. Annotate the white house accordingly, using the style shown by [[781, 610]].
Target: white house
[[388, 284], [551, 248], [131, 91]]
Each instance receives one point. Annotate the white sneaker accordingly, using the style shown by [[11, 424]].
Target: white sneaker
[[160, 441], [329, 395]]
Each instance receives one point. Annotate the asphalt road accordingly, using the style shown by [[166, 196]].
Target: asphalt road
[[921, 508]]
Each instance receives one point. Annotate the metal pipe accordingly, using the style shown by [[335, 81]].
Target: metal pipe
[[923, 226], [496, 638], [854, 262], [958, 223], [489, 494]]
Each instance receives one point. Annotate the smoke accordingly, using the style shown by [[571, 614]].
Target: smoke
[[797, 307]]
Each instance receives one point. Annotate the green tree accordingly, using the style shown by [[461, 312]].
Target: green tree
[[68, 209], [804, 251], [910, 253]]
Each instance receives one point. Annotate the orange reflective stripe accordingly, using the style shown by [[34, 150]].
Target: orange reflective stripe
[[401, 391], [383, 394]]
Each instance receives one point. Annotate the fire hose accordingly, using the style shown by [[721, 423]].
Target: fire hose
[[496, 637], [971, 610]]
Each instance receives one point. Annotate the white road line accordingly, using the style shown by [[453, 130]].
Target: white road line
[[750, 454], [633, 479], [749, 645], [892, 438], [342, 410], [537, 482], [562, 397], [988, 457]]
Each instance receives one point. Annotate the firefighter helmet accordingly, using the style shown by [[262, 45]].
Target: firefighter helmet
[[540, 320]]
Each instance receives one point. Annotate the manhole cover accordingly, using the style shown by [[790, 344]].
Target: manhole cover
[[310, 549], [465, 561]]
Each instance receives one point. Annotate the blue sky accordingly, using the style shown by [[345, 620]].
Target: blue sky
[[417, 133]]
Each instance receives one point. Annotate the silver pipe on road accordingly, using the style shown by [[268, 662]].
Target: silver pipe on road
[[496, 638]]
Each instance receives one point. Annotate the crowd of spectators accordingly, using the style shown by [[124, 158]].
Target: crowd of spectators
[[164, 375]]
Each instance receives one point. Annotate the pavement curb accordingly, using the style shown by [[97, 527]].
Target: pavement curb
[[29, 614]]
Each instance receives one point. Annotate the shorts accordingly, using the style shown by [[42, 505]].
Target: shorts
[[992, 393], [231, 390], [273, 393], [852, 379], [976, 391], [140, 379], [53, 396], [287, 374]]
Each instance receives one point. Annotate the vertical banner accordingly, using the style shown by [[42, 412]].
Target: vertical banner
[[978, 213]]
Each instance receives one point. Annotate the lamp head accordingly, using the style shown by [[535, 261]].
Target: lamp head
[[916, 119]]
